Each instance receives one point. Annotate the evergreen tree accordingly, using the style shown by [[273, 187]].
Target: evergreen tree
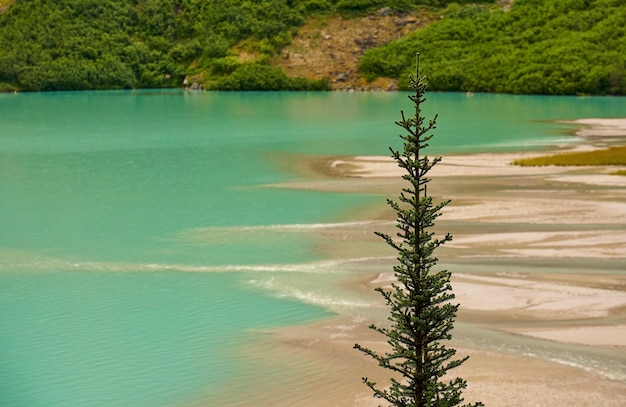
[[421, 313]]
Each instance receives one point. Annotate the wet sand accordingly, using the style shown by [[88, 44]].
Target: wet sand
[[539, 269]]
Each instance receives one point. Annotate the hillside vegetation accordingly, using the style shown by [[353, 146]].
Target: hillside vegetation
[[103, 44], [537, 47], [98, 44], [550, 46]]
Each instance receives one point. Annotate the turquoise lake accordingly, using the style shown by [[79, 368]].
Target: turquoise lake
[[130, 251]]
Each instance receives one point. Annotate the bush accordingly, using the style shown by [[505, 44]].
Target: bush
[[263, 77], [358, 4], [7, 88]]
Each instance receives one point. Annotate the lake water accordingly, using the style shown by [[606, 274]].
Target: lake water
[[141, 250]]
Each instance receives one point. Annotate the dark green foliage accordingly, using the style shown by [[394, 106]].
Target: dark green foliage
[[358, 4], [87, 44], [263, 77], [538, 47], [421, 313]]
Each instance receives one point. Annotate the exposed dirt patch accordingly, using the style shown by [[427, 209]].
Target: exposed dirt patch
[[5, 4], [331, 47], [505, 4]]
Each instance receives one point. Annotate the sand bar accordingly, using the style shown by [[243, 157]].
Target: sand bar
[[542, 259]]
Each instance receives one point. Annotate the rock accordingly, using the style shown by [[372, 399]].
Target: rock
[[364, 43], [342, 77]]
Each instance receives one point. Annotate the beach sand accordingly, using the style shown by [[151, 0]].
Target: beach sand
[[539, 269]]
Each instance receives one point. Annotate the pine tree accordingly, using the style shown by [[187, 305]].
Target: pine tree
[[421, 312]]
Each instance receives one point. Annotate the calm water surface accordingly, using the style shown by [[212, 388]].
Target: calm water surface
[[135, 226]]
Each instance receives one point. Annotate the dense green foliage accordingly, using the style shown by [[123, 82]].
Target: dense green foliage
[[543, 47], [101, 44], [104, 44], [263, 77], [97, 44], [85, 44], [420, 310], [538, 47], [609, 156]]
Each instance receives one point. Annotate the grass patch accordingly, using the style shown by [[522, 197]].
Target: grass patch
[[620, 172], [609, 156]]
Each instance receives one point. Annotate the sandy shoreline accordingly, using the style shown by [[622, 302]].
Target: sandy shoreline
[[585, 214], [541, 260]]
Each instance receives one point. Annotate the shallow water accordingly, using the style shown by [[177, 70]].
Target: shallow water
[[141, 252]]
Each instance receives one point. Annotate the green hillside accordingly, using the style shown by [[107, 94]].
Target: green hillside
[[103, 44], [537, 47], [551, 46], [98, 44]]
